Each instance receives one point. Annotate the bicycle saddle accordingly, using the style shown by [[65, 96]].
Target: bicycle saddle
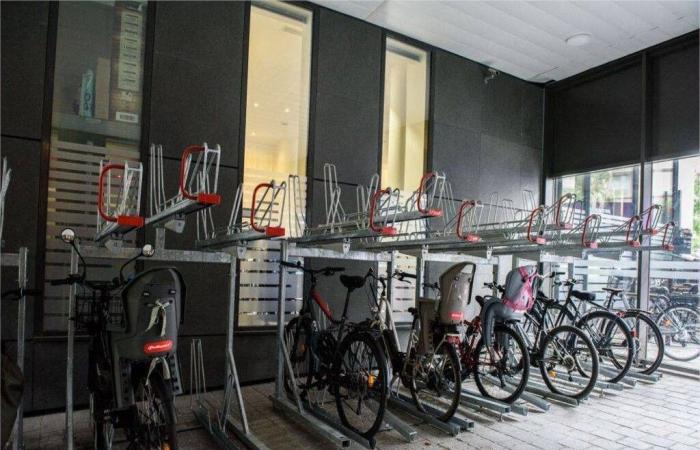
[[585, 296], [352, 282], [612, 290]]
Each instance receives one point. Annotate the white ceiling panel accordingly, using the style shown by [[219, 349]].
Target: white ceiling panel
[[528, 38]]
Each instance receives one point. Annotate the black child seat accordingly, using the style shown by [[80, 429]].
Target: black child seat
[[352, 282], [585, 296]]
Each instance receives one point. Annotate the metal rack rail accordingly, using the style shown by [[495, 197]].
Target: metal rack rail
[[19, 260]]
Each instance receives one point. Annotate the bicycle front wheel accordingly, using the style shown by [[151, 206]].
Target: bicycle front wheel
[[154, 414], [297, 339], [564, 351], [648, 342], [436, 382], [504, 375], [613, 342], [360, 383], [680, 328]]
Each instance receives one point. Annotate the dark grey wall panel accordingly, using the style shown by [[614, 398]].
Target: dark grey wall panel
[[457, 152], [674, 105], [197, 70], [24, 35], [49, 374], [348, 102], [597, 123], [458, 90]]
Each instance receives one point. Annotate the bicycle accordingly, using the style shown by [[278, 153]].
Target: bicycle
[[132, 325], [565, 355], [678, 319], [344, 359], [429, 367], [610, 334]]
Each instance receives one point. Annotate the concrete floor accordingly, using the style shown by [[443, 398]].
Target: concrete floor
[[661, 415]]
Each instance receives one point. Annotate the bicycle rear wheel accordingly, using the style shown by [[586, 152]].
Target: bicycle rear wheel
[[613, 342], [504, 377], [436, 382], [649, 353], [297, 338], [564, 349], [359, 381], [155, 414], [680, 328]]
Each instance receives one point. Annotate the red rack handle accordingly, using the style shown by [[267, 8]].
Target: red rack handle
[[465, 237], [633, 242], [584, 242], [192, 149], [558, 210], [385, 230], [648, 227], [254, 210], [421, 189], [539, 240], [100, 190], [664, 243]]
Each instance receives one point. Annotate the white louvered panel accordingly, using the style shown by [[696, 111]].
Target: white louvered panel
[[72, 202]]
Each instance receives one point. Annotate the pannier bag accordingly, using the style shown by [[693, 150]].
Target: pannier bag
[[456, 286], [153, 304], [519, 294]]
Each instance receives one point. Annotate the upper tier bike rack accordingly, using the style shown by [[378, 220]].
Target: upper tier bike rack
[[197, 185], [264, 220], [118, 209]]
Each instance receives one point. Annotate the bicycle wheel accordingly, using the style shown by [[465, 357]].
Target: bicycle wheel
[[154, 421], [359, 381], [505, 376], [646, 359], [297, 338], [613, 342], [680, 328], [564, 349], [436, 382]]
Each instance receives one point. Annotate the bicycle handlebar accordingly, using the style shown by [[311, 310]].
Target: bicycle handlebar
[[328, 271]]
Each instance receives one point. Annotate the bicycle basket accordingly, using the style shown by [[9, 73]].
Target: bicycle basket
[[88, 308]]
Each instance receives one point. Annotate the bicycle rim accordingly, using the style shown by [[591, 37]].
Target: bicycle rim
[[613, 342], [504, 376], [680, 329], [564, 350], [436, 382]]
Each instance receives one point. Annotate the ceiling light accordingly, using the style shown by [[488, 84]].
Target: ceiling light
[[256, 104], [252, 133], [286, 110], [578, 39]]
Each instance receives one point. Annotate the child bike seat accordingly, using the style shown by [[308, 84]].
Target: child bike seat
[[352, 282]]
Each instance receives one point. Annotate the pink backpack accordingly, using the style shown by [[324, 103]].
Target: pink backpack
[[519, 292]]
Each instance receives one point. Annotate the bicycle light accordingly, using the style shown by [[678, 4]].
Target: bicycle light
[[152, 348]]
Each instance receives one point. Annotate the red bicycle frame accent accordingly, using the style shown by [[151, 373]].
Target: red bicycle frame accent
[[269, 231], [322, 304], [384, 230], [132, 221], [203, 197], [421, 189], [469, 237], [539, 240]]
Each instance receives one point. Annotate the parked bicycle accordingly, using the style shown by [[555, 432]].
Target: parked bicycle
[[133, 327], [678, 318], [345, 359], [429, 367], [610, 334]]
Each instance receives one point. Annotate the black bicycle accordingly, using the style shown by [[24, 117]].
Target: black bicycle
[[610, 334], [133, 334], [343, 359]]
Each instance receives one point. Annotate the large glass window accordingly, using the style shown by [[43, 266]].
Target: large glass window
[[96, 115], [405, 115], [276, 134]]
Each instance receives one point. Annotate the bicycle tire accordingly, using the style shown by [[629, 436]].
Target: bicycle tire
[[653, 329], [524, 365], [295, 329], [660, 322], [570, 342], [453, 375], [167, 433], [376, 379], [604, 345]]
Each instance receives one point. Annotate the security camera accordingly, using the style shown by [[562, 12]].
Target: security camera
[[492, 73]]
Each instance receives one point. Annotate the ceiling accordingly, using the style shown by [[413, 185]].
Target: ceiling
[[528, 38]]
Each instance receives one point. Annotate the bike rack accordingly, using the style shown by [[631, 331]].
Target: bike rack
[[118, 212], [197, 185], [315, 418], [261, 223], [232, 389], [19, 260]]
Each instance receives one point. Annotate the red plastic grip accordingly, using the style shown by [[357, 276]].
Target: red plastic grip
[[421, 189], [539, 240], [384, 230], [664, 244], [632, 221], [253, 210], [648, 227], [100, 190], [192, 149], [468, 237], [559, 223]]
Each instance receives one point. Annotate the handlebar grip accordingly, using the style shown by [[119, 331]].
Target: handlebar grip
[[400, 274], [296, 265]]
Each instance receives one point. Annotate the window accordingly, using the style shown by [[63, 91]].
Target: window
[[276, 133], [405, 115], [96, 115]]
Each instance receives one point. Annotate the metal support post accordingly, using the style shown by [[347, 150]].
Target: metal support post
[[70, 353]]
